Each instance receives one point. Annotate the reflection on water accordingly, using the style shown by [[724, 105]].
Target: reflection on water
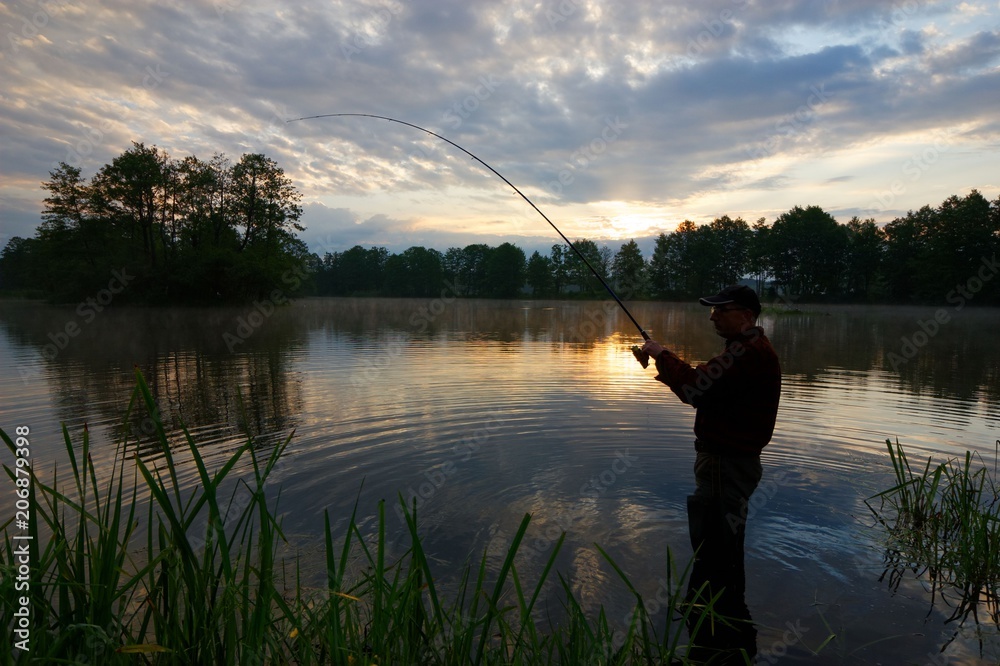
[[482, 411]]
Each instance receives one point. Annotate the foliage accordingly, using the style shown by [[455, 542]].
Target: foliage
[[180, 230], [468, 268], [925, 256], [865, 251], [17, 270], [731, 242], [659, 270], [355, 272], [943, 522], [758, 259], [205, 583], [808, 252], [540, 275], [933, 251], [189, 230], [578, 274], [415, 272], [505, 271], [558, 256], [696, 260], [628, 271]]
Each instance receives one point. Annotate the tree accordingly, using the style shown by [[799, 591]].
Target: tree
[[129, 195], [992, 290], [560, 269], [685, 262], [662, 266], [628, 271], [67, 218], [730, 240], [906, 238], [960, 235], [472, 265], [607, 256], [17, 265], [187, 229], [758, 255], [930, 251], [416, 272], [505, 268], [200, 201], [358, 271], [539, 275], [865, 247], [451, 265], [201, 233], [69, 240], [695, 257], [476, 275], [263, 210], [264, 202], [808, 251], [577, 271], [326, 277]]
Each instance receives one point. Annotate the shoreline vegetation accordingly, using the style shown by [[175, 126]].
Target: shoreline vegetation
[[202, 581], [942, 525], [150, 228]]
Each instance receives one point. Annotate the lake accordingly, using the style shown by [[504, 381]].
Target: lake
[[483, 411]]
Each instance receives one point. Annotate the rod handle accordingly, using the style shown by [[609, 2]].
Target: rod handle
[[640, 356]]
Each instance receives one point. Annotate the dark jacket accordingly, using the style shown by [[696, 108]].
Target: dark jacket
[[736, 393]]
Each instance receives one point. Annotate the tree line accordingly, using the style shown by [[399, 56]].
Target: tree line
[[187, 230], [927, 256]]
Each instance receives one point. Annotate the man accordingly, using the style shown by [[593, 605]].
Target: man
[[736, 398]]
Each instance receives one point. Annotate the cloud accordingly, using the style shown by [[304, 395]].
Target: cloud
[[979, 52], [690, 109], [339, 229]]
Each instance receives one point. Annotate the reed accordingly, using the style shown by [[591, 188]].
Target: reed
[[202, 582], [943, 521]]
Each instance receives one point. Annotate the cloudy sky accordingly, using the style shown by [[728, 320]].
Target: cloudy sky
[[618, 119]]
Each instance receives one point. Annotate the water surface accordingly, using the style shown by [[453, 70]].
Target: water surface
[[483, 411]]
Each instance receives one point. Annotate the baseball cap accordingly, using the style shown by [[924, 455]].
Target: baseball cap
[[739, 294]]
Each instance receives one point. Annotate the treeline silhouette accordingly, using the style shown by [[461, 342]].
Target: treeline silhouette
[[947, 253], [152, 229]]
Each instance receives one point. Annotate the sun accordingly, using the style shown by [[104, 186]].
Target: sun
[[630, 225], [628, 220]]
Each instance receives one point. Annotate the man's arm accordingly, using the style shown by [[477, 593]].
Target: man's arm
[[675, 373], [708, 382]]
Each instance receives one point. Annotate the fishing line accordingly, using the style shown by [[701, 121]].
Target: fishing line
[[643, 358]]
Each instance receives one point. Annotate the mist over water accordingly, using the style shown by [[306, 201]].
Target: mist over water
[[482, 411]]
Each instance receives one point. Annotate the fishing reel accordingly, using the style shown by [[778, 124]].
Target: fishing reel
[[640, 356]]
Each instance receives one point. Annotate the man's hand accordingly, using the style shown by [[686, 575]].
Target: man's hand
[[653, 348], [640, 356]]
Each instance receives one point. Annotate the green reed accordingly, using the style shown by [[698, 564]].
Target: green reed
[[943, 521], [202, 583]]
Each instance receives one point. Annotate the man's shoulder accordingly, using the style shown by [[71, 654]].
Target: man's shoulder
[[755, 340], [752, 336]]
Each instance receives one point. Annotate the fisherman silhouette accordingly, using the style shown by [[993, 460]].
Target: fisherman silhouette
[[736, 396]]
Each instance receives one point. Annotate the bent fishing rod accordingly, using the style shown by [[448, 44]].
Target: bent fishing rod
[[642, 357]]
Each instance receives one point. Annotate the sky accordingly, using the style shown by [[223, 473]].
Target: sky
[[619, 120]]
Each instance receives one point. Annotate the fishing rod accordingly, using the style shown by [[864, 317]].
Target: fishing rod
[[641, 356]]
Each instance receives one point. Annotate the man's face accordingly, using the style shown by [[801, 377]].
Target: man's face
[[730, 319]]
